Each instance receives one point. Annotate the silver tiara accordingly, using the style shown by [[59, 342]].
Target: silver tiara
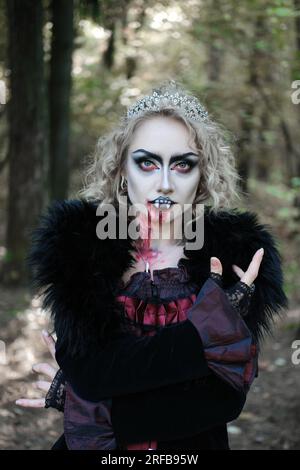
[[190, 105]]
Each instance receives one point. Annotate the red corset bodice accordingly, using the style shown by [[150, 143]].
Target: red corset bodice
[[149, 305]]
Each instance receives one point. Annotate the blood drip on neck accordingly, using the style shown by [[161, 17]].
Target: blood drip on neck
[[143, 245]]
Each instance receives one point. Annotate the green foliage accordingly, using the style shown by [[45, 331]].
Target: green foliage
[[295, 182], [291, 277], [8, 257], [282, 12], [291, 326]]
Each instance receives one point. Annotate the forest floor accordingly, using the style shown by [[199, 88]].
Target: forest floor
[[270, 419]]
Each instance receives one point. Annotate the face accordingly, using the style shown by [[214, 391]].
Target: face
[[162, 163]]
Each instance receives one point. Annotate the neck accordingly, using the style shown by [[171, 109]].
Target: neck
[[157, 234], [153, 246], [162, 236]]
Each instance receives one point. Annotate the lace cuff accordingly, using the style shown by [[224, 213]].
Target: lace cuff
[[56, 394], [238, 295]]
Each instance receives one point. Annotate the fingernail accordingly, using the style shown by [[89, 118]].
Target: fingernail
[[261, 250], [17, 402]]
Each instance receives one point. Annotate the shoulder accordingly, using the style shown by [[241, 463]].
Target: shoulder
[[234, 236], [241, 232], [76, 272], [65, 246], [63, 228], [237, 223]]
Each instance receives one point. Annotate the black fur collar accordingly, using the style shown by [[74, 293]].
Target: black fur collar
[[78, 274]]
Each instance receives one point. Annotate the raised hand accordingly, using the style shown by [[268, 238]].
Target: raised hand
[[240, 293], [42, 368], [247, 277], [250, 275]]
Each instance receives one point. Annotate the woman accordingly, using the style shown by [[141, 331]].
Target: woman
[[157, 343]]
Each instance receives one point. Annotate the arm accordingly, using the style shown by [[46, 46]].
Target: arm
[[237, 296], [183, 410], [213, 338], [131, 364], [55, 396], [175, 354], [176, 411]]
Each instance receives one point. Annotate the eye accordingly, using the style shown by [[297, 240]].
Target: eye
[[146, 165], [184, 166]]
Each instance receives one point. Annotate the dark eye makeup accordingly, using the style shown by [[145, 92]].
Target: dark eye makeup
[[143, 164]]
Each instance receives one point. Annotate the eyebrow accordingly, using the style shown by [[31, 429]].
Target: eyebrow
[[174, 158]]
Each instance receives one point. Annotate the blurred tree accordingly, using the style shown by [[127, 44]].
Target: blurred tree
[[131, 61], [27, 137], [112, 12], [250, 40], [297, 67], [256, 118], [59, 96], [3, 68], [215, 47], [109, 54], [90, 9]]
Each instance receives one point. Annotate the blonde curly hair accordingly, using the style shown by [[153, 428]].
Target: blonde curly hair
[[219, 178]]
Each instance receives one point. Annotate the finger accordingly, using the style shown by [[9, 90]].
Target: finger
[[31, 403], [239, 272], [42, 385], [253, 268], [44, 368], [216, 265], [50, 343]]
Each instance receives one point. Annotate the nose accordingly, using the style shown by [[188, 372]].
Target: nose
[[165, 182]]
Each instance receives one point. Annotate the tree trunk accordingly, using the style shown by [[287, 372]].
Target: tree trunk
[[263, 162], [215, 59], [215, 54], [27, 137], [244, 145], [59, 96], [297, 30], [109, 54]]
